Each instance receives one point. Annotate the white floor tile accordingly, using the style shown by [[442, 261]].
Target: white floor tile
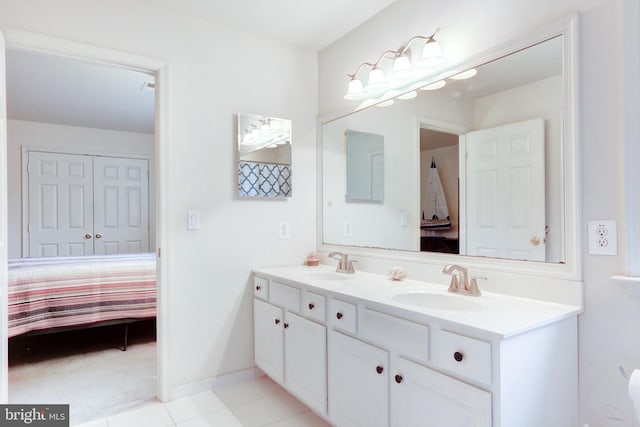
[[247, 391], [214, 419], [154, 415], [195, 406], [97, 423], [267, 410], [307, 419]]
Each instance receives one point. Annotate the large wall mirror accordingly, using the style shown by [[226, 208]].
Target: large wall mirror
[[264, 156], [480, 162]]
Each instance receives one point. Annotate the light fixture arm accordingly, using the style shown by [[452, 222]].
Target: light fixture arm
[[404, 48], [353, 76]]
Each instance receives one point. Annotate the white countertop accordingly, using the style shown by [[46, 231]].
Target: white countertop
[[498, 315]]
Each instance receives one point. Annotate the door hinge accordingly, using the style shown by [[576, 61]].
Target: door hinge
[[29, 167], [29, 228], [159, 253]]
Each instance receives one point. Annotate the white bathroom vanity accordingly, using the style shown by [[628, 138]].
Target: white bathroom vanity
[[363, 350]]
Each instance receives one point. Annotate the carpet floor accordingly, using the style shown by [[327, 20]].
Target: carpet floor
[[85, 369]]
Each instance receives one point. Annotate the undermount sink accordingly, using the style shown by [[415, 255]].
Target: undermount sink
[[326, 275], [437, 301]]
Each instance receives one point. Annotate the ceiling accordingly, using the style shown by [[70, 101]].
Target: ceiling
[[54, 89]]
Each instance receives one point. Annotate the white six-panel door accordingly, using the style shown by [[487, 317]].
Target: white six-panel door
[[506, 191], [60, 204], [83, 205], [121, 205]]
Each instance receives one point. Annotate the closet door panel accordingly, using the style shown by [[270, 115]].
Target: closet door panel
[[60, 205], [121, 205]]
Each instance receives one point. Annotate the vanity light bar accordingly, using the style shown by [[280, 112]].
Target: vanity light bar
[[405, 69]]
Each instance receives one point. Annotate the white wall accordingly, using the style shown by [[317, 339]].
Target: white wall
[[70, 139], [212, 77], [607, 327]]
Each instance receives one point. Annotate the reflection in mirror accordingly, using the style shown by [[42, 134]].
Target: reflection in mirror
[[365, 166], [495, 134], [264, 156]]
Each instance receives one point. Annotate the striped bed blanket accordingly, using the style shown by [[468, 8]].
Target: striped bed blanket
[[54, 292]]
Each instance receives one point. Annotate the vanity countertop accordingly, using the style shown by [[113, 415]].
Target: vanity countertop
[[497, 315]]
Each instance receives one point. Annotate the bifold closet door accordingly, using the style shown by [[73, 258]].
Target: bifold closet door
[[121, 205], [60, 204]]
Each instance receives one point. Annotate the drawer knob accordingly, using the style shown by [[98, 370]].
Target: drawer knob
[[379, 369], [258, 287], [398, 378], [311, 306], [458, 356], [277, 321], [286, 325], [339, 315]]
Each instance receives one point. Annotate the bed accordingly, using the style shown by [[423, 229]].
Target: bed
[[54, 293]]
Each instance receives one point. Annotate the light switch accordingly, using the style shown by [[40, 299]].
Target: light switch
[[193, 220], [347, 228], [404, 219]]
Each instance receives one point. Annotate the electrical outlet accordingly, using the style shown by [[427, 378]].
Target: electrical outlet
[[284, 230], [603, 237]]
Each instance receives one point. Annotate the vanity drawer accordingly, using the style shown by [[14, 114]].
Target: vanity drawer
[[260, 287], [464, 356], [285, 296], [314, 306], [343, 315], [408, 338]]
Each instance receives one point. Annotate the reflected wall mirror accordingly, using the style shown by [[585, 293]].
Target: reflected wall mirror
[[264, 156], [365, 166], [499, 138]]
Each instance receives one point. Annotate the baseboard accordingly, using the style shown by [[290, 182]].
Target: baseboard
[[196, 387]]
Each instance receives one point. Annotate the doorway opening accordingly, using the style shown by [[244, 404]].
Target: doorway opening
[[67, 118]]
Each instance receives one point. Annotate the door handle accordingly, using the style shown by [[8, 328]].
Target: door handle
[[535, 241], [87, 236], [98, 235]]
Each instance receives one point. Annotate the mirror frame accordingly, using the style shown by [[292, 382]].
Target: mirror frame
[[571, 268]]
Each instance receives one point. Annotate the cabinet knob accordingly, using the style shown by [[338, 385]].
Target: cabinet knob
[[379, 369], [311, 306], [87, 236], [286, 325], [458, 356], [277, 321], [339, 315], [258, 287], [398, 378], [98, 235]]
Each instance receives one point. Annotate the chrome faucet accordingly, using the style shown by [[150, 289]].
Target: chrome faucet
[[459, 280], [344, 264]]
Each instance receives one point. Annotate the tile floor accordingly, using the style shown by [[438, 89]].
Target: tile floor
[[254, 403]]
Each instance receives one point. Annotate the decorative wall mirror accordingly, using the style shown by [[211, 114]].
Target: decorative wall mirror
[[500, 131], [264, 156]]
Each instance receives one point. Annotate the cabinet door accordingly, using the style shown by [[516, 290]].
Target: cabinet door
[[305, 344], [268, 339], [423, 397], [358, 383]]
